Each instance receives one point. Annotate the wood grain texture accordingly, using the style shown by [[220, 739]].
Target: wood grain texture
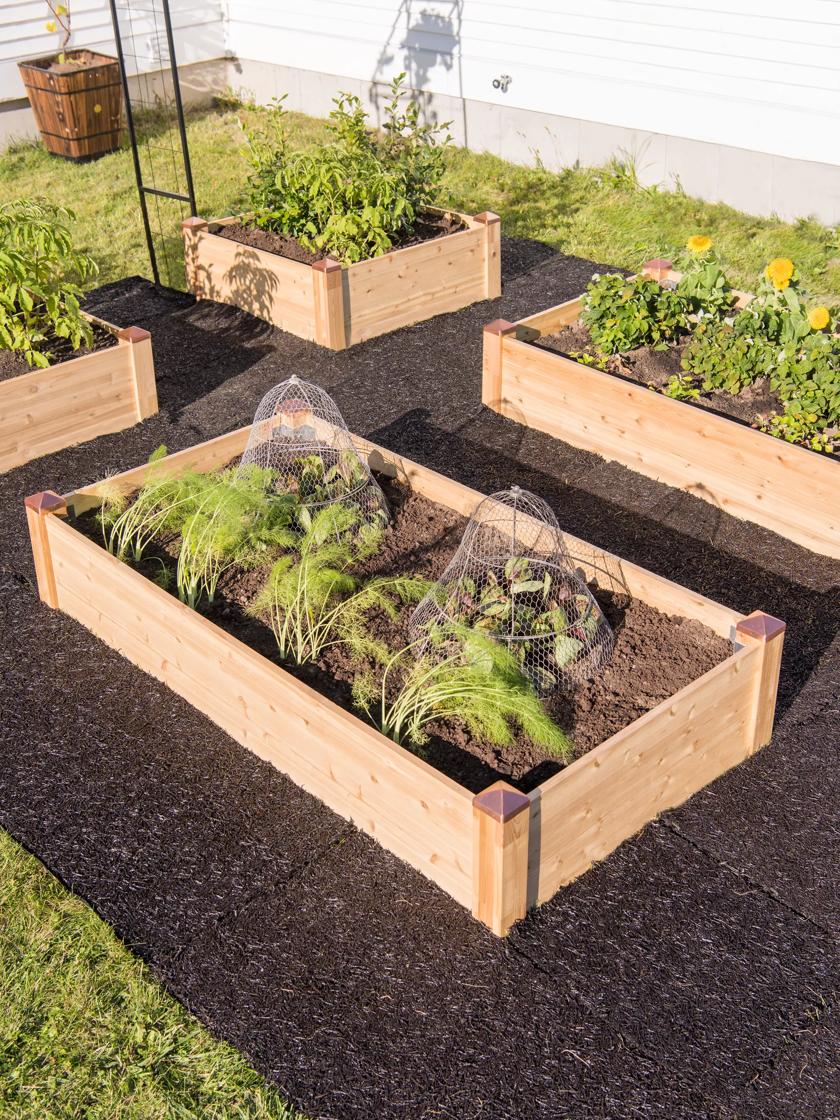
[[45, 410], [583, 813], [473, 848], [365, 300], [79, 111], [742, 471], [412, 809]]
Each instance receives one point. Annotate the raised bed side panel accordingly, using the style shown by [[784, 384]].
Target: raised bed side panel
[[742, 471], [424, 280], [413, 810], [337, 306], [267, 285], [583, 813], [49, 409]]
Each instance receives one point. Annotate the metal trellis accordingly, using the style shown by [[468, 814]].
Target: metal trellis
[[155, 118]]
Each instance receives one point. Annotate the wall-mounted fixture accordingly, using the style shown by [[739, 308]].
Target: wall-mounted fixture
[[502, 82]]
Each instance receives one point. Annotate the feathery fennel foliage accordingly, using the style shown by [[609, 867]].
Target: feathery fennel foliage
[[312, 599], [222, 517], [465, 674]]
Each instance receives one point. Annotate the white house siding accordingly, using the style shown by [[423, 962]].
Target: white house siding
[[739, 100], [198, 30]]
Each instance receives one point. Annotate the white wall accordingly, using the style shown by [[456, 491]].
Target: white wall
[[762, 75], [198, 27]]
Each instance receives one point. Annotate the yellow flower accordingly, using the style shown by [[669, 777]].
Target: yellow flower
[[780, 272], [699, 243], [818, 318], [50, 25], [61, 10]]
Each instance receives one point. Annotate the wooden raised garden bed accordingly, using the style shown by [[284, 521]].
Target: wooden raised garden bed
[[73, 401], [743, 471], [337, 305], [497, 852]]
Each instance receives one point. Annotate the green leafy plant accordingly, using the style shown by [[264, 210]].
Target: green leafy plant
[[357, 195], [225, 522], [703, 284], [623, 313], [729, 355], [547, 621], [222, 517], [681, 387], [313, 601], [41, 278], [464, 674]]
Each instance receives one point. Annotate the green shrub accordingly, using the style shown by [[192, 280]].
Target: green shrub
[[41, 275], [622, 314], [356, 195]]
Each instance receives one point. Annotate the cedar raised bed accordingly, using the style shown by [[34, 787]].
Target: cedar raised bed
[[77, 104], [743, 471], [339, 305], [497, 852], [73, 401]]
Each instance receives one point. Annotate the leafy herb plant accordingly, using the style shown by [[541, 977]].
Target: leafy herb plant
[[41, 278], [357, 195], [464, 674]]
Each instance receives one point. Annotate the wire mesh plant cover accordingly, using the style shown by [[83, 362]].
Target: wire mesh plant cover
[[300, 437], [513, 578]]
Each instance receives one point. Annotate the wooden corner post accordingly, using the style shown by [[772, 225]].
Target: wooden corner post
[[500, 856], [38, 508], [492, 253], [769, 634], [328, 281], [491, 361], [191, 229], [139, 342]]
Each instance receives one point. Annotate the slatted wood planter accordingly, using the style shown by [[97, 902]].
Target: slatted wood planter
[[105, 391], [498, 852], [744, 472], [337, 305], [77, 104]]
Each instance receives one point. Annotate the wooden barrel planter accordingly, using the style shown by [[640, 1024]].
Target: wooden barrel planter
[[77, 103]]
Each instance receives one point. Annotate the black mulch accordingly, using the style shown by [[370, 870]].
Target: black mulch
[[691, 975]]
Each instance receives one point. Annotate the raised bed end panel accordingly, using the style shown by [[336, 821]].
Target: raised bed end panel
[[496, 853]]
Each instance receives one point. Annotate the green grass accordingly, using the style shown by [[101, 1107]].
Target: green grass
[[601, 214], [86, 1032]]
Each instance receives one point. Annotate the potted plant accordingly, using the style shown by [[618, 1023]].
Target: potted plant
[[76, 95], [745, 411], [65, 376], [343, 242]]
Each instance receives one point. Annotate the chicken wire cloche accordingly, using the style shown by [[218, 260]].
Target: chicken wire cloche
[[300, 438], [513, 578]]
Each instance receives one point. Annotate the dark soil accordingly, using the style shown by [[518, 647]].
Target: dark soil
[[655, 654], [691, 975], [74, 61], [13, 364], [428, 227], [654, 368]]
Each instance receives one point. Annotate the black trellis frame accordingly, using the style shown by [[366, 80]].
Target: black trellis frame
[[143, 188]]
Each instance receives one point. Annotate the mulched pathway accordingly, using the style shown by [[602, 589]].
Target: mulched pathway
[[693, 974]]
